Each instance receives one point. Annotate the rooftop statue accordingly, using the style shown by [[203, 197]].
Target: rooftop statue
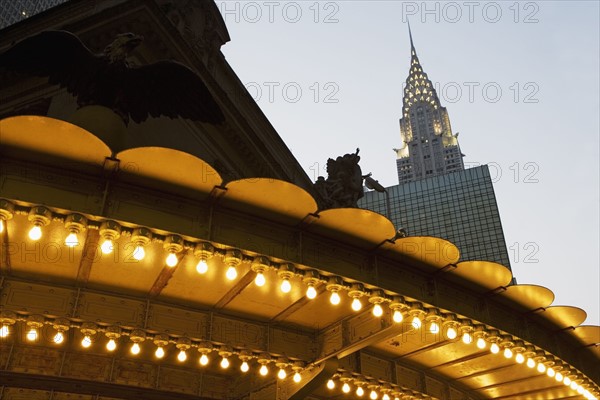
[[107, 79], [343, 186]]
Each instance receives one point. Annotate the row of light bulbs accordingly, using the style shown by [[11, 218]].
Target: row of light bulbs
[[161, 341]]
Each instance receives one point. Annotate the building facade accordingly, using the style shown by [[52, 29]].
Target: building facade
[[15, 11], [458, 206], [429, 148]]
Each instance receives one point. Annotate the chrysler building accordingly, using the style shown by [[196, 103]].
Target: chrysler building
[[428, 146]]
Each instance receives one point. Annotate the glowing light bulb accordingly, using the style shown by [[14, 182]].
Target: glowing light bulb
[[286, 286], [281, 374], [139, 253], [245, 367], [35, 233], [574, 385], [356, 304], [107, 247], [264, 370], [377, 310], [508, 353], [550, 372], [1, 225], [346, 388], [224, 363], [72, 240], [397, 316], [481, 344], [231, 273], [182, 356], [494, 348], [202, 266], [385, 397], [567, 381], [416, 322], [335, 298], [172, 260], [58, 338], [32, 335], [451, 333], [434, 328], [135, 349], [111, 345], [260, 279], [519, 358], [541, 368], [297, 377], [530, 363], [373, 395], [558, 377], [360, 391], [204, 360], [330, 384], [4, 331], [86, 341], [467, 338], [160, 352], [311, 292]]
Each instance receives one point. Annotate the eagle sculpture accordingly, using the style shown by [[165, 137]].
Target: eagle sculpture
[[164, 88]]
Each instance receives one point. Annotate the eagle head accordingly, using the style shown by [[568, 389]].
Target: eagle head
[[122, 47]]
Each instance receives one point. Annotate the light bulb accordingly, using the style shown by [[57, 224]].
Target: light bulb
[[32, 335], [224, 363], [1, 225], [550, 372], [135, 349], [260, 279], [360, 391], [231, 273], [172, 260], [356, 304], [481, 344], [467, 338], [203, 360], [451, 333], [494, 348], [373, 395], [574, 385], [311, 292], [107, 247], [286, 285], [111, 345], [508, 353], [346, 388], [202, 266], [160, 352], [416, 322], [281, 374], [567, 381], [335, 298], [434, 328], [377, 310], [385, 397], [182, 356], [558, 377], [264, 370], [397, 316], [139, 253], [86, 341], [530, 363], [72, 240], [541, 368], [297, 377], [35, 233], [4, 331], [519, 358], [58, 338], [245, 367], [330, 384]]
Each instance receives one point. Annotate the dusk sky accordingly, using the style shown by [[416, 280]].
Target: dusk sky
[[520, 82]]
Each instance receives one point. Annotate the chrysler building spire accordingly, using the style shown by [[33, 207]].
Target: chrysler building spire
[[428, 146]]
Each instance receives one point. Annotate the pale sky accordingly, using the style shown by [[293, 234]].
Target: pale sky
[[520, 81]]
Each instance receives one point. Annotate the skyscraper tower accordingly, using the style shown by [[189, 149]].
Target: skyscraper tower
[[429, 148]]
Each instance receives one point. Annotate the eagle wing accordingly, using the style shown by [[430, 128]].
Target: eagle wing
[[59, 55], [169, 88]]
